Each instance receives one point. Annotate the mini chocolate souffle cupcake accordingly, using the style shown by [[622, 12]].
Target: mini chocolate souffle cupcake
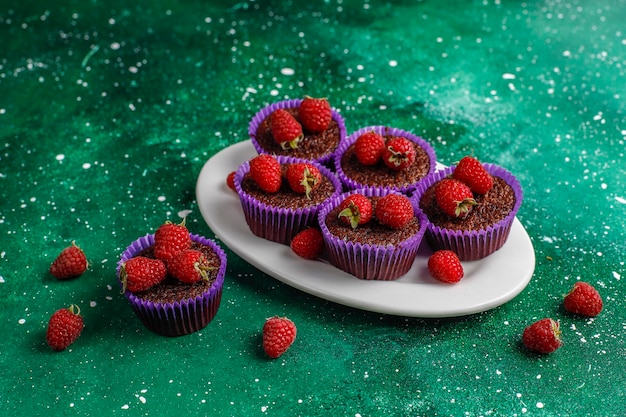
[[281, 215], [316, 146], [173, 308], [485, 228], [370, 251], [355, 174]]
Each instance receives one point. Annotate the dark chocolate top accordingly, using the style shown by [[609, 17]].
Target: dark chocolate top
[[312, 146], [285, 197], [171, 289], [379, 174], [490, 208], [372, 232]]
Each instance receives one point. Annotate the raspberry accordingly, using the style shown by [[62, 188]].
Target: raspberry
[[369, 148], [394, 210], [470, 171], [189, 266], [303, 178], [308, 244], [454, 197], [64, 327], [355, 210], [445, 266], [141, 273], [279, 334], [315, 114], [583, 299], [230, 181], [286, 130], [398, 154], [266, 172], [169, 239], [70, 263], [543, 336]]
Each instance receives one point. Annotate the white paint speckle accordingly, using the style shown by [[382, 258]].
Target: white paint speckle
[[393, 63], [161, 198], [620, 200], [616, 275], [125, 407], [60, 157], [539, 404], [21, 321], [287, 71], [92, 304], [86, 165]]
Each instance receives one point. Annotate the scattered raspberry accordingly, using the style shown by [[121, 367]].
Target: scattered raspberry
[[286, 130], [445, 266], [308, 244], [169, 239], [355, 210], [315, 114], [265, 171], [470, 171], [64, 327], [399, 153], [583, 299], [543, 336], [369, 148], [303, 178], [141, 273], [454, 197], [230, 181], [189, 266], [70, 263], [279, 334], [394, 210]]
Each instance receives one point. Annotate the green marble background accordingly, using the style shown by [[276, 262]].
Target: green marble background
[[109, 109]]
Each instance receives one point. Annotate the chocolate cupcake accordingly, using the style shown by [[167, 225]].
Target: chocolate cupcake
[[370, 251], [173, 308], [484, 229], [315, 146], [354, 174], [281, 215]]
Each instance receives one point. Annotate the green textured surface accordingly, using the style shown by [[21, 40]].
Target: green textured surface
[[109, 109]]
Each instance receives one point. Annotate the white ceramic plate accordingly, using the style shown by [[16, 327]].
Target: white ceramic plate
[[487, 283]]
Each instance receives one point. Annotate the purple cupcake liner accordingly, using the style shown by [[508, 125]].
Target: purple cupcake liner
[[367, 261], [279, 224], [262, 114], [382, 130], [470, 245], [181, 317]]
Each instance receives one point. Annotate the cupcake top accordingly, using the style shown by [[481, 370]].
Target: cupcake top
[[283, 195], [487, 210], [402, 160], [172, 291], [318, 145], [374, 230]]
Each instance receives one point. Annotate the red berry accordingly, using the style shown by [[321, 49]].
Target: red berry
[[189, 266], [169, 239], [369, 148], [399, 153], [355, 210], [454, 197], [394, 210], [308, 244], [279, 334], [141, 273], [303, 178], [470, 171], [230, 181], [445, 266], [286, 130], [265, 171], [315, 114], [64, 327], [583, 299], [70, 263], [543, 336]]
